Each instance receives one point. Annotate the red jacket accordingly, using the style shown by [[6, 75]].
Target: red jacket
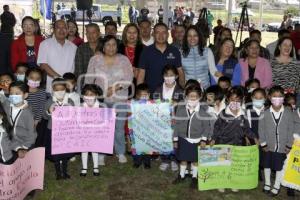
[[18, 50], [296, 39]]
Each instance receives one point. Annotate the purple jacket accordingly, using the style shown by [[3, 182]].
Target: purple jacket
[[263, 72]]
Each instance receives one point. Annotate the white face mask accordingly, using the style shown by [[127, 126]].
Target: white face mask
[[20, 77], [192, 104], [170, 80], [59, 94], [89, 100]]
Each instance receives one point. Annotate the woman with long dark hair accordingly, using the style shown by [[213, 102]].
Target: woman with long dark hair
[[254, 66], [25, 49], [73, 34], [197, 60], [131, 45], [285, 68], [227, 63]]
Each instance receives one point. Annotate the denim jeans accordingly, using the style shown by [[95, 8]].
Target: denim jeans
[[119, 141]]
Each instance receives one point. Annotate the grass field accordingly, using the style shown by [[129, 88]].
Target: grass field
[[123, 182]]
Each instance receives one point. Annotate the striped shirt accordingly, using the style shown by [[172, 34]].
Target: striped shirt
[[37, 102], [286, 75]]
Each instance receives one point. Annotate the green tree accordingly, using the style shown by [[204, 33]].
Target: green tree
[[292, 10]]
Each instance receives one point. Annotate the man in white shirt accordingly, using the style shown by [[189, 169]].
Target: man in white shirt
[[57, 54], [145, 28]]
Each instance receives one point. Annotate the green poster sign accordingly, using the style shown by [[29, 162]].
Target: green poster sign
[[227, 166]]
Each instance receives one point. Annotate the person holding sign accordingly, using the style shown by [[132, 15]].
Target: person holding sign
[[276, 138], [231, 126], [191, 129], [169, 91], [90, 92], [142, 94], [59, 98]]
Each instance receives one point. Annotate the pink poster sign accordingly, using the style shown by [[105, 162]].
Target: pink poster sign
[[78, 129], [23, 176]]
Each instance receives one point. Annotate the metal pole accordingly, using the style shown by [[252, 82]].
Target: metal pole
[[166, 10], [229, 17], [260, 13]]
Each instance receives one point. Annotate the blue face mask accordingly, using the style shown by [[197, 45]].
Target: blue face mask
[[258, 103], [21, 77], [15, 99]]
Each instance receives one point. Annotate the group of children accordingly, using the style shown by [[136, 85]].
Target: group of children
[[221, 114]]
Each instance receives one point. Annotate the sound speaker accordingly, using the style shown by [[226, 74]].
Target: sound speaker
[[84, 4]]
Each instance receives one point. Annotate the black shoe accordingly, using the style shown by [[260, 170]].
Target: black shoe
[[179, 179], [136, 165], [83, 173], [194, 183], [147, 166], [96, 172], [59, 177], [268, 190], [272, 194], [290, 192], [66, 176]]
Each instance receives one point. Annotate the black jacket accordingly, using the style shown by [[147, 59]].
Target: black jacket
[[230, 130]]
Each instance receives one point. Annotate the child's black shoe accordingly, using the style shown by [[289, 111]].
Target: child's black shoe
[[290, 192], [96, 172], [83, 173], [59, 177], [194, 183], [178, 180], [135, 165], [66, 176], [267, 189], [147, 166]]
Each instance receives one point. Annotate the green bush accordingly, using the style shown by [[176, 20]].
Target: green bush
[[292, 10]]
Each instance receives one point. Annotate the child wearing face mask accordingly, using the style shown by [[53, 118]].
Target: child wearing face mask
[[90, 93], [37, 97], [189, 132], [216, 104], [20, 117], [231, 126], [59, 98], [142, 94], [251, 85], [21, 69], [71, 80], [276, 137], [254, 113], [172, 92], [5, 80]]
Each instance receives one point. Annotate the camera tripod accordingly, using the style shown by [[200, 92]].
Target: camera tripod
[[244, 21]]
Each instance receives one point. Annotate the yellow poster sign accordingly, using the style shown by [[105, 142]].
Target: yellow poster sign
[[291, 176]]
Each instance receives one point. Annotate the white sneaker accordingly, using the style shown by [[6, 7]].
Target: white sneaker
[[101, 160], [73, 159], [122, 158], [221, 190], [174, 166], [234, 190], [163, 166]]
